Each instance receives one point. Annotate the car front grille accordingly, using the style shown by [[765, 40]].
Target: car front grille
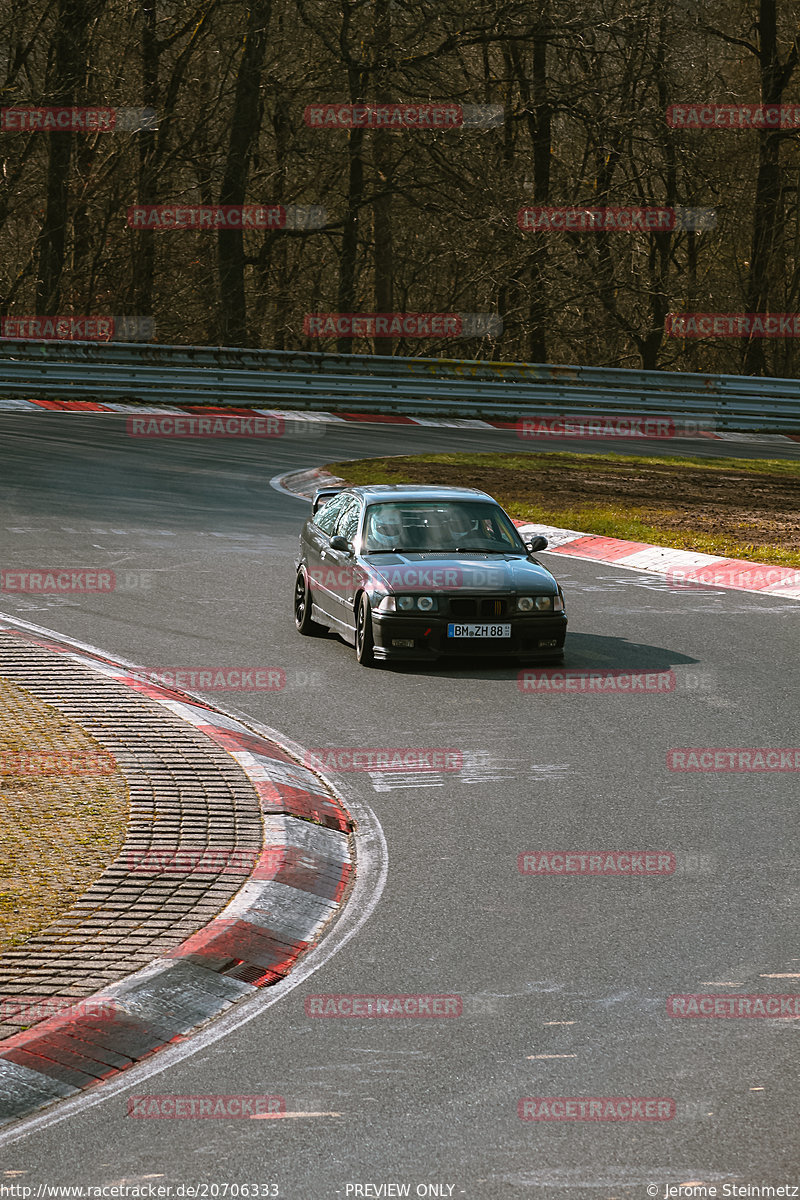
[[479, 608]]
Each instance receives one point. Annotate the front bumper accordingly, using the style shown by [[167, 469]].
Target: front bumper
[[531, 637]]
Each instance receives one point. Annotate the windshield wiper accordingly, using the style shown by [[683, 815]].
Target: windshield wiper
[[408, 550], [443, 550]]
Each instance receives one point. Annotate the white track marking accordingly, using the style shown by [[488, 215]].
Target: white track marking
[[275, 482]]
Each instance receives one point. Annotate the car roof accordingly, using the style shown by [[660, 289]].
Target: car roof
[[416, 491]]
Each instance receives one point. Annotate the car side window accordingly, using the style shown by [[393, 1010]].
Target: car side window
[[347, 523], [491, 527], [325, 517]]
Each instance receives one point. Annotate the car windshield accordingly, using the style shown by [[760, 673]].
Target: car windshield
[[440, 525]]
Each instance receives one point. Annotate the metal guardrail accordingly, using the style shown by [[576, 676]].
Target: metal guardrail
[[158, 374]]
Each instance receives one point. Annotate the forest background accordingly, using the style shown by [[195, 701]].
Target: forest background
[[415, 220]]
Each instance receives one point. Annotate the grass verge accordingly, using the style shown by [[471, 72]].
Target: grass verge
[[733, 507]]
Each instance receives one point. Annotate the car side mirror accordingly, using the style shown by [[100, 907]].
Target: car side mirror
[[537, 543], [342, 544]]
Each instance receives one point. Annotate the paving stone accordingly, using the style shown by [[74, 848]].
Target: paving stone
[[181, 996], [22, 1090]]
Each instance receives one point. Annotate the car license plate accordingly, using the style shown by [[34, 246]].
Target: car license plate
[[483, 631]]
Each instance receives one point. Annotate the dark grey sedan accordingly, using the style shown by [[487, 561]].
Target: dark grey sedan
[[410, 572]]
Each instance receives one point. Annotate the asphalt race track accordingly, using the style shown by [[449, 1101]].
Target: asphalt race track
[[563, 981]]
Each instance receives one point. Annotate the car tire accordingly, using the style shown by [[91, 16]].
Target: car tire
[[364, 636], [302, 608]]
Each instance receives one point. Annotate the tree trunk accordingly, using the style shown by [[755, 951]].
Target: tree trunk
[[65, 90], [661, 242], [144, 253], [382, 158], [539, 123], [768, 209], [245, 128]]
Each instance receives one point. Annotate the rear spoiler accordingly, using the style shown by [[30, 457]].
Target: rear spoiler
[[324, 494]]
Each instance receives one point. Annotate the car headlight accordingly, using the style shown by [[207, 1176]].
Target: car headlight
[[529, 603], [558, 602], [407, 604]]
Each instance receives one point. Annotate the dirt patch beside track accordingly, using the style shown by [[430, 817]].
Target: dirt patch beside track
[[63, 813], [738, 508]]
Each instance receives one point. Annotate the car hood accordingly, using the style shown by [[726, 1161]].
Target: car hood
[[469, 572]]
